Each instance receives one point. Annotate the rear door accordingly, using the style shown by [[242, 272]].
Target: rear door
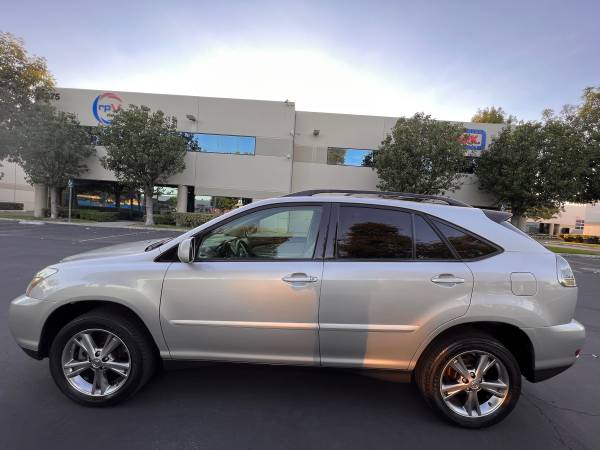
[[389, 279]]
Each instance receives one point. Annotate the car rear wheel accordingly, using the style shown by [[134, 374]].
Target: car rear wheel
[[471, 379], [101, 358]]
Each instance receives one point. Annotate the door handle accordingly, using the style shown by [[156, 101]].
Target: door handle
[[447, 280], [299, 278]]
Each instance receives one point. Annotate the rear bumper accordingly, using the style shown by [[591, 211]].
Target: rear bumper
[[555, 348], [544, 374]]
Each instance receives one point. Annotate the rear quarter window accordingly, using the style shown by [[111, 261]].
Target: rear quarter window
[[465, 244]]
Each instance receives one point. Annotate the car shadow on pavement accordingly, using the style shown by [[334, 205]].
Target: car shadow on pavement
[[350, 405]]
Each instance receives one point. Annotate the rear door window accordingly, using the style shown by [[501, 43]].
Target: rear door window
[[429, 245], [374, 233], [466, 245]]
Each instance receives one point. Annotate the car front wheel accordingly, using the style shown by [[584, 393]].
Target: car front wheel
[[471, 379], [101, 358]]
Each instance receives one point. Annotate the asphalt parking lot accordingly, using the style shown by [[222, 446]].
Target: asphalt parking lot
[[261, 407]]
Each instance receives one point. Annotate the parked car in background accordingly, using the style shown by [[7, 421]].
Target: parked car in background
[[452, 296]]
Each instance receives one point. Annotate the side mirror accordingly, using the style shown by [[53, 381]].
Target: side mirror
[[186, 252]]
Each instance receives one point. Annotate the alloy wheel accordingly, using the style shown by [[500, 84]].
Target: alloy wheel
[[96, 362], [474, 384]]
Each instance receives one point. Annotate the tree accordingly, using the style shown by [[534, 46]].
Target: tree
[[586, 118], [144, 148], [421, 155], [24, 80], [336, 155], [533, 166], [52, 148], [225, 203], [492, 114]]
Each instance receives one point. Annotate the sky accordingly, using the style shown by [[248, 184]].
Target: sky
[[444, 58]]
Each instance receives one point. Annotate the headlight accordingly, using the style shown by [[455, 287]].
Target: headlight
[[39, 277], [564, 272]]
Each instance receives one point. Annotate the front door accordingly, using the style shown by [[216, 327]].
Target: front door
[[252, 293], [390, 280]]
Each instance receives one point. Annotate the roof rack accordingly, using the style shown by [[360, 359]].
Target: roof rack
[[383, 194]]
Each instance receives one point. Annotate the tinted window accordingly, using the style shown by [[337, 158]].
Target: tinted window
[[273, 233], [428, 244], [221, 143], [349, 156], [374, 234], [466, 245]]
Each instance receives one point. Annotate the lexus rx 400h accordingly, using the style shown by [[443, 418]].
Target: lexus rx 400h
[[451, 295]]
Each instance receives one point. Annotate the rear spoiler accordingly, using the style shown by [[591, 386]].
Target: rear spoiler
[[497, 216]]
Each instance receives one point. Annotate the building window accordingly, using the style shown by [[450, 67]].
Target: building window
[[469, 164], [222, 143], [349, 157], [579, 224]]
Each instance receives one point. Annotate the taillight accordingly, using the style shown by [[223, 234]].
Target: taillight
[[564, 272]]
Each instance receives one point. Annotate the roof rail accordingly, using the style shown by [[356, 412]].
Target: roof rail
[[384, 194]]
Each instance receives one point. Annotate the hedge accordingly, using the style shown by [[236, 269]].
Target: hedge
[[164, 219], [122, 213], [12, 206], [98, 216], [192, 220], [64, 212], [582, 238]]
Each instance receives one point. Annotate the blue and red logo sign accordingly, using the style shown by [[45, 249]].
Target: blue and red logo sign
[[104, 105], [473, 139]]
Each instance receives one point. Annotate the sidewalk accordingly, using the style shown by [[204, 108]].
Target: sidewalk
[[125, 224], [572, 245]]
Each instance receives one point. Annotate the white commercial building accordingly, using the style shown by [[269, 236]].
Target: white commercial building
[[574, 219], [250, 148]]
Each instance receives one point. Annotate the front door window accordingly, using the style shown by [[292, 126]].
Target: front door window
[[274, 233]]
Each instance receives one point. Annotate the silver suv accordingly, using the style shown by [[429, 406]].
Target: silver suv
[[452, 296]]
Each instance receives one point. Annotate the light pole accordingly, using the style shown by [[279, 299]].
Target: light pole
[[70, 186]]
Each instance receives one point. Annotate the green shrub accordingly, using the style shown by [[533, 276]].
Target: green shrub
[[124, 213], [164, 219], [64, 212], [98, 216], [192, 220], [585, 238], [11, 206]]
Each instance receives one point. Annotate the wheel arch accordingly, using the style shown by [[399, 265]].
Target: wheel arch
[[511, 336], [69, 311]]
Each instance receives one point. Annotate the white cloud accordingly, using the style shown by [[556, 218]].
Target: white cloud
[[315, 80]]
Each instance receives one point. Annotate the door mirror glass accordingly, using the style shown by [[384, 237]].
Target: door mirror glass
[[186, 251]]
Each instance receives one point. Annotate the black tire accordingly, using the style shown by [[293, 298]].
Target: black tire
[[429, 372], [142, 354]]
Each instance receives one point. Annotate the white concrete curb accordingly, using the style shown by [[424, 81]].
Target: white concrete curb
[[91, 224]]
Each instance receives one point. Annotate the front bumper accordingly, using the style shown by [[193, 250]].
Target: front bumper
[[555, 348], [26, 318]]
